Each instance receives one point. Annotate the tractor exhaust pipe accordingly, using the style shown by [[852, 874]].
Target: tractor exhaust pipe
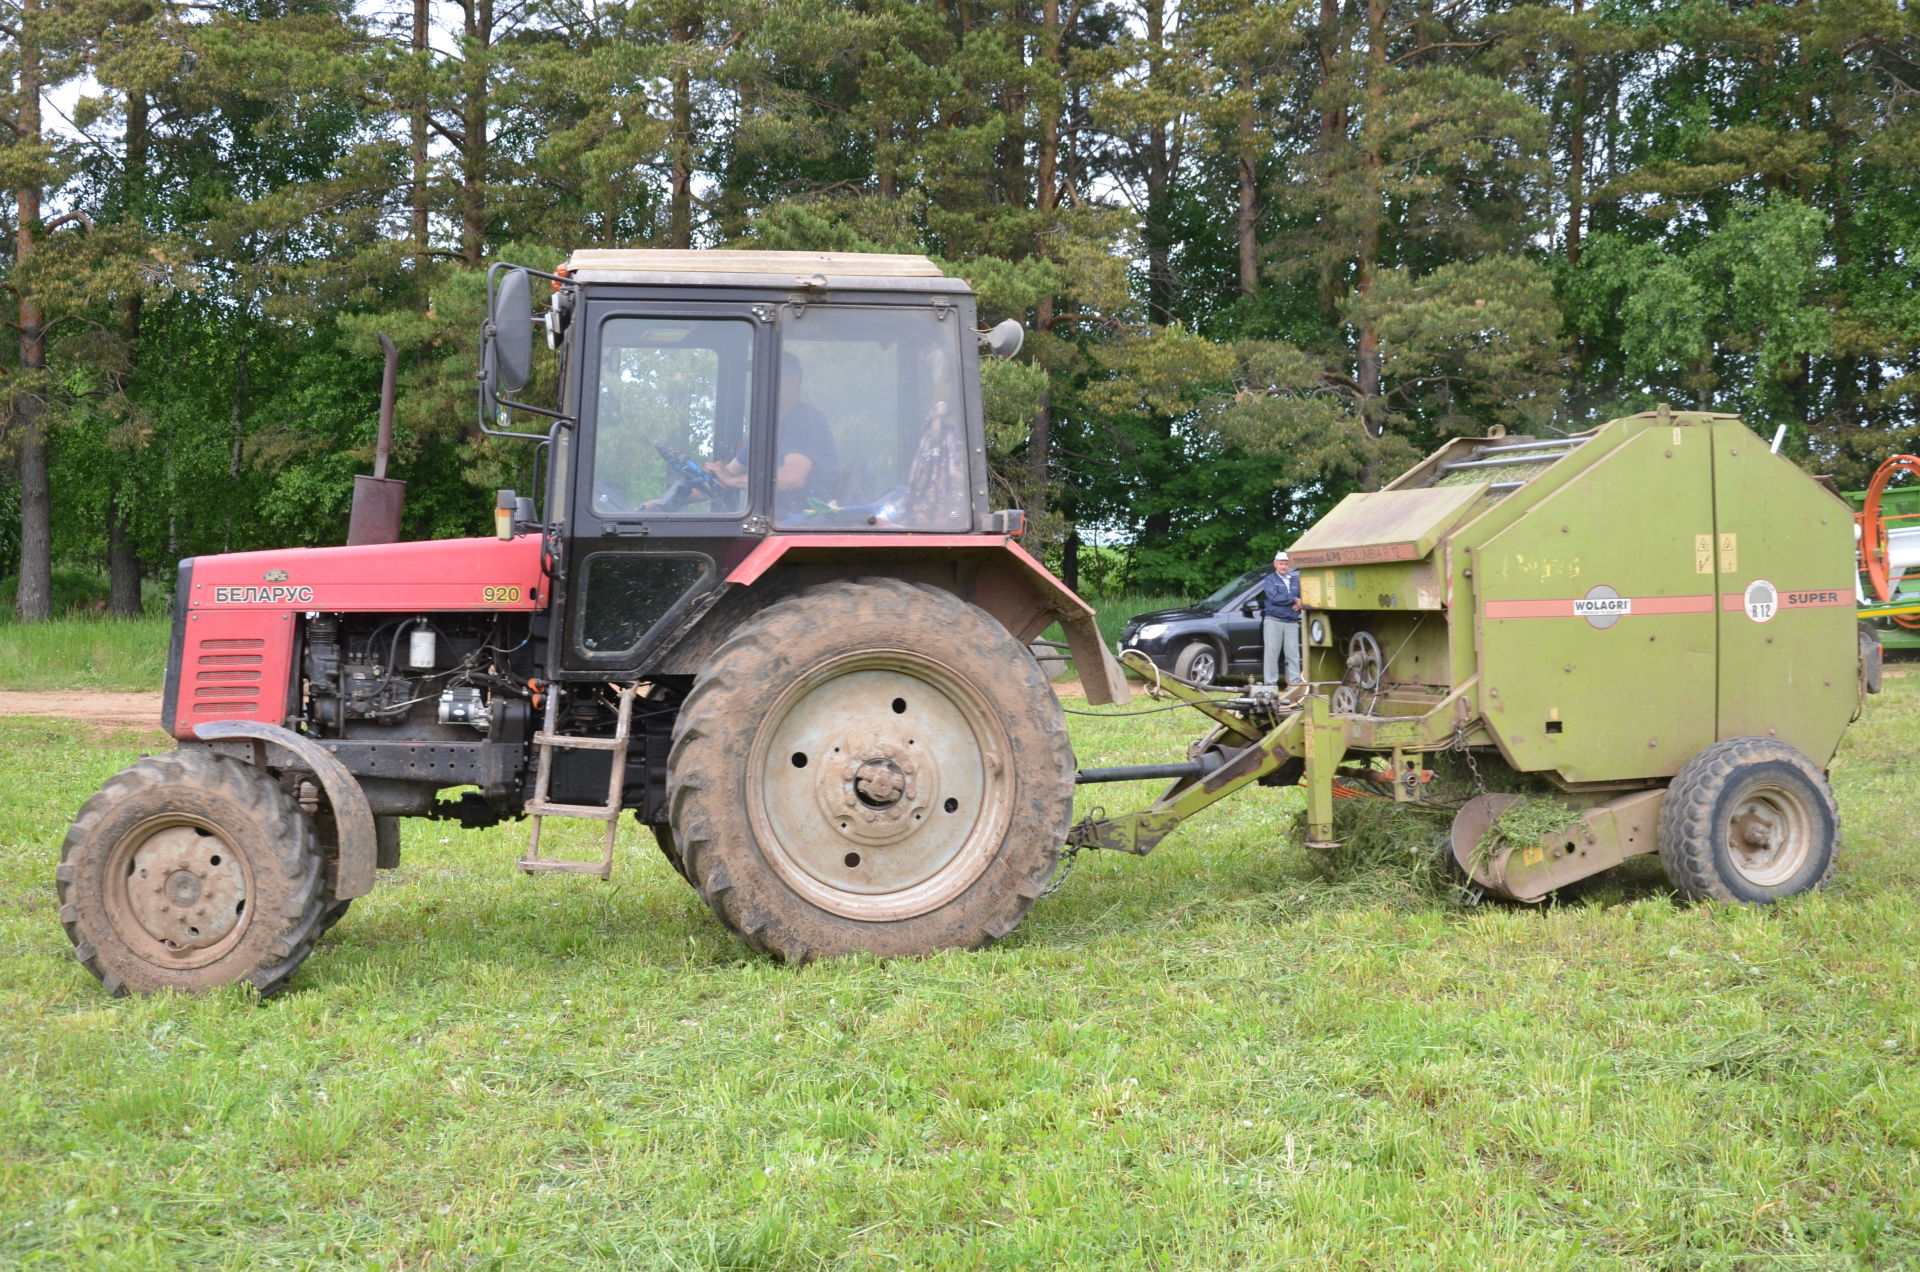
[[378, 501]]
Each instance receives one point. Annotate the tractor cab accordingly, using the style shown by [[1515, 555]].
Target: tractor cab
[[711, 400]]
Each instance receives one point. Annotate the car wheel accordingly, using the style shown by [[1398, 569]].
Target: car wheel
[[1198, 663]]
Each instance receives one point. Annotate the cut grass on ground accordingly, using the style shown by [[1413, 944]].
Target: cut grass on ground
[[1221, 1056]]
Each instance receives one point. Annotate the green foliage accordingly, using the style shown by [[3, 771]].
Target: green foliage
[[1239, 230]]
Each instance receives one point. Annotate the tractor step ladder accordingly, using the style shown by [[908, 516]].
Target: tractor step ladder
[[548, 740]]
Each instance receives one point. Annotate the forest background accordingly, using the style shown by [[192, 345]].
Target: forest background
[[1268, 250]]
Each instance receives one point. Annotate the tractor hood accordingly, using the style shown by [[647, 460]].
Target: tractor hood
[[435, 574]]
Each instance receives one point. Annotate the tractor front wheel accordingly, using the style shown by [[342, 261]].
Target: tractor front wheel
[[870, 765], [1748, 820], [190, 870]]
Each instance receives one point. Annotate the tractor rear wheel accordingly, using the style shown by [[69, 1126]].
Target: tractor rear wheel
[[1748, 820], [870, 765], [190, 870], [663, 836]]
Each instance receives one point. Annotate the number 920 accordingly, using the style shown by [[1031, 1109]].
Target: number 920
[[499, 595]]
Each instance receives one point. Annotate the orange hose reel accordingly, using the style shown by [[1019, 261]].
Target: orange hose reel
[[1873, 531]]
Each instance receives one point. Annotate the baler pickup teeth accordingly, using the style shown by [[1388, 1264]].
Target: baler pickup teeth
[[548, 740]]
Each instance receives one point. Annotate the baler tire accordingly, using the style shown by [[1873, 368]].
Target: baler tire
[[934, 710], [1199, 664], [1748, 778], [261, 839]]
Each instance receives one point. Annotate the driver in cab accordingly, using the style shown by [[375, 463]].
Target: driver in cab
[[809, 457]]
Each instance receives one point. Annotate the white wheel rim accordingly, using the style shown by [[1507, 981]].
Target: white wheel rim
[[1769, 835], [176, 892], [879, 785]]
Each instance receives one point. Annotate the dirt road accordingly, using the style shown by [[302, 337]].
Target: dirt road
[[115, 710]]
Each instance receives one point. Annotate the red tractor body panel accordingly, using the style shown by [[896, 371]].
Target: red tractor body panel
[[236, 648], [1008, 583]]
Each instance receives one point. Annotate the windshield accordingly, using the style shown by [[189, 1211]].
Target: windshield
[[1225, 595], [870, 426]]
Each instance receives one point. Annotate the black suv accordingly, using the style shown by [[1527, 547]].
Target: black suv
[[1203, 642]]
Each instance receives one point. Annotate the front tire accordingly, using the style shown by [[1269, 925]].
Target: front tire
[[1748, 820], [191, 870], [870, 765], [1198, 664]]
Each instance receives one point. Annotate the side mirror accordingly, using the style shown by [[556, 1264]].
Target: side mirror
[[1005, 339], [1251, 609], [513, 332]]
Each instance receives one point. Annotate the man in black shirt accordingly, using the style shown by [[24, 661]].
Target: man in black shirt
[[809, 457]]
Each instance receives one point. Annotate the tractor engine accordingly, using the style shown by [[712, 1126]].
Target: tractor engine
[[427, 676]]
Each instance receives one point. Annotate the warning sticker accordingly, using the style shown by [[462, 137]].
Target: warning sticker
[[1762, 601]]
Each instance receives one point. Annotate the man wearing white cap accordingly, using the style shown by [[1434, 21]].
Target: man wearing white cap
[[1280, 621]]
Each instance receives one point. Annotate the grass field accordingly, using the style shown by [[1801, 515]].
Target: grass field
[[84, 653], [1223, 1056]]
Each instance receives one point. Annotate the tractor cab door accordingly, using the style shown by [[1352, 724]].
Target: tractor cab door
[[660, 476]]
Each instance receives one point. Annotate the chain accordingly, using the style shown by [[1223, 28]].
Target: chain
[[1473, 765], [1068, 856], [1471, 894]]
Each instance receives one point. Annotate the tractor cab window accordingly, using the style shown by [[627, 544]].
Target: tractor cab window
[[671, 417], [870, 425]]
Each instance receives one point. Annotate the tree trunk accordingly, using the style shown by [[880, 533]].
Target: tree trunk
[[1248, 220], [123, 564], [241, 392], [680, 144], [1333, 129], [34, 599], [1368, 263], [1159, 176], [473, 131], [1070, 561], [418, 139], [123, 567], [1577, 153]]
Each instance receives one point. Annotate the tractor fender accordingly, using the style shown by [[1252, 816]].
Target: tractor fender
[[991, 571], [353, 869]]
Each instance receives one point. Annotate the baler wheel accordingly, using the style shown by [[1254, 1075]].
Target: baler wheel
[[190, 870], [1748, 820], [870, 765]]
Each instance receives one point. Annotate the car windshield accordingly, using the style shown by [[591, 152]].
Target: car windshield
[[1225, 596]]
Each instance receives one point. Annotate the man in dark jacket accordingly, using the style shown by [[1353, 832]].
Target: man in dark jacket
[[1280, 621]]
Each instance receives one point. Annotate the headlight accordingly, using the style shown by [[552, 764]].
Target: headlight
[[1152, 631]]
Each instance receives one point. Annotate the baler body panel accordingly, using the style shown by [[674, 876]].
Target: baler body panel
[[1582, 601], [1590, 617], [1784, 568]]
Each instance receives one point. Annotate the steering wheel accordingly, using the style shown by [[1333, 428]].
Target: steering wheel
[[687, 471]]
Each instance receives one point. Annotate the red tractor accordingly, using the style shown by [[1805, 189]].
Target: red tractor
[[762, 603]]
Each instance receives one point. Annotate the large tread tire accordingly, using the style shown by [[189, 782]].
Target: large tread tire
[[166, 807], [669, 848], [1760, 783], [763, 844], [1199, 663], [335, 911]]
